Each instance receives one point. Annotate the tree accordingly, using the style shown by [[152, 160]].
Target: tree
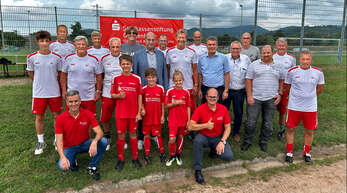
[[13, 39], [278, 33], [77, 30], [225, 40]]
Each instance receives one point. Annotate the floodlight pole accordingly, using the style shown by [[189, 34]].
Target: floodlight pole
[[30, 46], [255, 23], [302, 25], [2, 28], [343, 28], [241, 6]]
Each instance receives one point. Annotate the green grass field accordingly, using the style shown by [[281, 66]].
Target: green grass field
[[21, 171]]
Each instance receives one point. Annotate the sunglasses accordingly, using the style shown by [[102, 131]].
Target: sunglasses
[[212, 97], [132, 33]]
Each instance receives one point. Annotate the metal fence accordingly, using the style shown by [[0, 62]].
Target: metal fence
[[264, 18]]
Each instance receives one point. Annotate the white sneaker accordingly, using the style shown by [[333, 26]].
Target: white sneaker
[[40, 147], [55, 145], [140, 144], [170, 161], [108, 144], [125, 146], [179, 159]]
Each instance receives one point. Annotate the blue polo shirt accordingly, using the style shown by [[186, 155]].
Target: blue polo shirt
[[213, 69]]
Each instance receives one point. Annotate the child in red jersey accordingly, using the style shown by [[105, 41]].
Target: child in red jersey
[[177, 101], [153, 113], [126, 88]]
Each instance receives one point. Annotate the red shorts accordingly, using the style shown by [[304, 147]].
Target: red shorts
[[107, 107], [309, 119], [89, 105], [282, 106], [192, 101], [39, 105], [124, 124], [174, 131], [154, 129]]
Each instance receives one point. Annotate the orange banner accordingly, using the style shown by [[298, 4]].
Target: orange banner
[[116, 26]]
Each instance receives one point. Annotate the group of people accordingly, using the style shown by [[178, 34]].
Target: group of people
[[139, 82]]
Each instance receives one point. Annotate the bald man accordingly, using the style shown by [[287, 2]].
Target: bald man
[[264, 88], [247, 49]]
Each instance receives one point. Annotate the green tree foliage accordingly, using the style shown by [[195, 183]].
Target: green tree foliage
[[77, 30], [225, 40], [13, 39]]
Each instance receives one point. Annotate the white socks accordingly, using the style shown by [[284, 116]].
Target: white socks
[[40, 138]]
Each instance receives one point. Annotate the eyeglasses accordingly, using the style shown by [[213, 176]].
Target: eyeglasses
[[235, 48], [246, 38]]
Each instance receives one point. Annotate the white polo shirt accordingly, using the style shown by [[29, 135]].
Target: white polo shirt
[[199, 49], [287, 61], [111, 68], [182, 60], [302, 94], [62, 49], [98, 52], [45, 67], [238, 70], [81, 73]]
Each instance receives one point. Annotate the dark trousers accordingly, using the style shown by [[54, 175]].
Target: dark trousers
[[220, 90], [140, 135], [267, 109], [201, 141], [237, 98]]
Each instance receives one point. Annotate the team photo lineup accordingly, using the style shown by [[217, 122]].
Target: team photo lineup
[[203, 95]]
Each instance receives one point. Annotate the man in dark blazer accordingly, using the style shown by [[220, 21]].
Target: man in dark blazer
[[150, 57], [143, 59]]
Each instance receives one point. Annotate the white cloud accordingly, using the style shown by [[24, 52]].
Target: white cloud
[[103, 4], [34, 3]]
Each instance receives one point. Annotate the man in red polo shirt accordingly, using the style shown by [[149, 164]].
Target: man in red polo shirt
[[71, 130], [209, 119]]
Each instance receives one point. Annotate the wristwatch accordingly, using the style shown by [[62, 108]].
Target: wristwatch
[[223, 141]]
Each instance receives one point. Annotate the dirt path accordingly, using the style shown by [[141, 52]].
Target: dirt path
[[315, 179], [14, 81]]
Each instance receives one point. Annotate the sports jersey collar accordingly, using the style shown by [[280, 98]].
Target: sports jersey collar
[[261, 62]]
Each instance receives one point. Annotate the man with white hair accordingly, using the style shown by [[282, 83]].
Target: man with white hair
[[82, 72], [238, 67], [111, 68], [247, 49], [97, 50], [287, 61]]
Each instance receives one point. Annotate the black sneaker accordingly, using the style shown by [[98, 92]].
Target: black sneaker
[[263, 147], [162, 158], [74, 167], [94, 173], [170, 161], [147, 160], [307, 158], [137, 163], [280, 134], [289, 158], [179, 159], [119, 166]]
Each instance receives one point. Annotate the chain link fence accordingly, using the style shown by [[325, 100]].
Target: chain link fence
[[322, 31]]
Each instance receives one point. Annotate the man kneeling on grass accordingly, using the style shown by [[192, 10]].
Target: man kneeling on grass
[[71, 129], [209, 119]]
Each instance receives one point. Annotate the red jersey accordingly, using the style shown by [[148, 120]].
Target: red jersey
[[131, 85], [219, 117], [152, 97], [178, 115], [75, 130]]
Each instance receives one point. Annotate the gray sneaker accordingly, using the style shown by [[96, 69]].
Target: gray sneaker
[[55, 145], [40, 147]]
